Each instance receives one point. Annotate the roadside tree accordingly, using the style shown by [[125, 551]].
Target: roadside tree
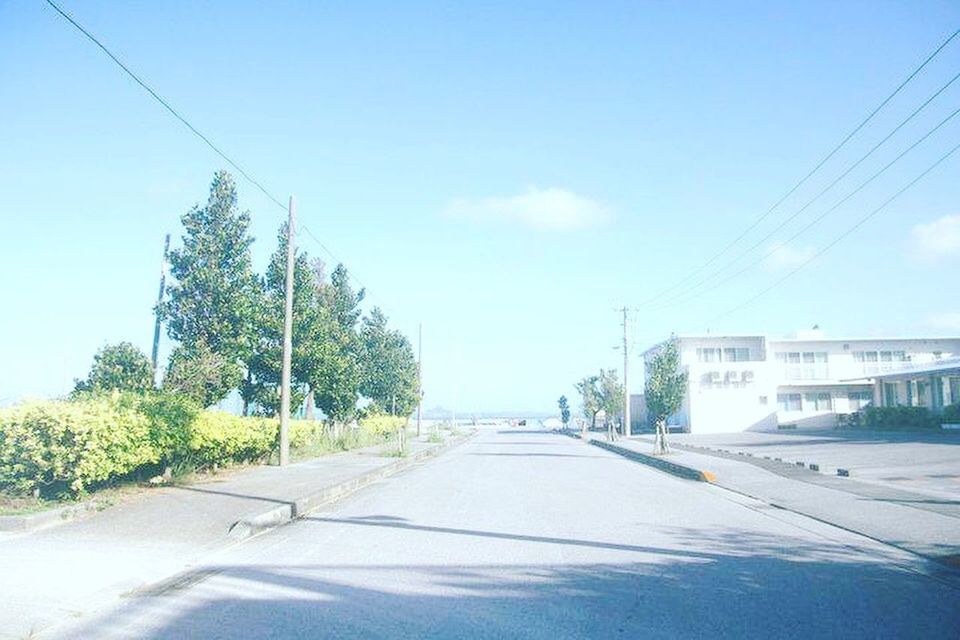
[[212, 306], [664, 391], [119, 366], [564, 410]]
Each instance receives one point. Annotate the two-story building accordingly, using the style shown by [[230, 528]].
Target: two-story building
[[753, 382]]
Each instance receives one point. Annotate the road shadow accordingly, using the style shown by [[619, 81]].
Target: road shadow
[[733, 585]]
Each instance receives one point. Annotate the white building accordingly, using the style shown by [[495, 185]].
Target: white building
[[752, 382]]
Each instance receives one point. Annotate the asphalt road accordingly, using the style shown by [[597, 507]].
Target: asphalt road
[[534, 535]]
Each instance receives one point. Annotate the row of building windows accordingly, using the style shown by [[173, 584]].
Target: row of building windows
[[821, 401], [880, 356], [727, 354]]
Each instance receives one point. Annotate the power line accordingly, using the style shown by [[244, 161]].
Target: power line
[[166, 105], [677, 298], [176, 114], [843, 235], [686, 297], [804, 179]]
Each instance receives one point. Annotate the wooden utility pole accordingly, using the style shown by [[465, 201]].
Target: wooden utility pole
[[287, 342], [419, 374], [156, 325], [626, 387]]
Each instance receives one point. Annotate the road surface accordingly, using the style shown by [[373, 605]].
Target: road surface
[[522, 533]]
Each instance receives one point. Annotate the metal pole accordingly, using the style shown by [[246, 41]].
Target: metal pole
[[287, 342], [419, 374], [626, 387], [156, 325]]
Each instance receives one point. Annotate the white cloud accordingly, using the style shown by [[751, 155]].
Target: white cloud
[[550, 209], [937, 239], [786, 257], [948, 321]]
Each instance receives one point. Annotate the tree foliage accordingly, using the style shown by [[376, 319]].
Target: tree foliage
[[213, 305], [200, 374], [602, 392], [389, 366], [120, 366], [564, 410], [665, 384]]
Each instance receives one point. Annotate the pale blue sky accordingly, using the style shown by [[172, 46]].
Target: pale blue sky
[[506, 173]]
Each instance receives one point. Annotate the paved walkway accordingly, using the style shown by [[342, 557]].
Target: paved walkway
[[879, 513], [72, 569]]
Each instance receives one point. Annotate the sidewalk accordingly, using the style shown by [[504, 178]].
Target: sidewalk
[[920, 524], [72, 569]]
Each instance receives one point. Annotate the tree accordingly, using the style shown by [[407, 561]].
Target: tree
[[262, 386], [336, 387], [590, 398], [389, 366], [212, 306], [611, 398], [564, 410], [664, 391], [200, 374], [601, 392], [118, 366]]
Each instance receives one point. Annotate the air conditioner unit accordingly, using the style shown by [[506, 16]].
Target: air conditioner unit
[[733, 376], [747, 376], [714, 376]]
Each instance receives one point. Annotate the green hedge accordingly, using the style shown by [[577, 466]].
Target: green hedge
[[382, 424], [951, 414], [893, 418], [66, 447]]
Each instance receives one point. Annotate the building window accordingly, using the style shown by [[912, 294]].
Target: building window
[[890, 394], [736, 354], [820, 401], [708, 355], [859, 399], [789, 402], [955, 390]]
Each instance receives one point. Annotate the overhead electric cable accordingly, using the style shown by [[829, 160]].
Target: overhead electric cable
[[684, 294], [806, 177], [843, 235], [176, 114]]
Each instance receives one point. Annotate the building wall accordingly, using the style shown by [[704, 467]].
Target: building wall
[[738, 383]]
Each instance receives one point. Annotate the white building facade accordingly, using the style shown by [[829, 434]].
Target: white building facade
[[752, 382]]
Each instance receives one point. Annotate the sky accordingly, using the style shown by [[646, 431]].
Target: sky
[[506, 174]]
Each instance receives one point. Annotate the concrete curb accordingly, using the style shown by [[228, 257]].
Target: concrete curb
[[256, 523], [672, 468], [48, 518]]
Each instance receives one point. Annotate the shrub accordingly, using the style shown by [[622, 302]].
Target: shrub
[[220, 438], [63, 447], [893, 418], [382, 424], [951, 414]]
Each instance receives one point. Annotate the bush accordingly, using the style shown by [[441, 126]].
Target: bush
[[119, 366], [895, 418], [382, 424], [219, 438], [951, 414], [62, 447]]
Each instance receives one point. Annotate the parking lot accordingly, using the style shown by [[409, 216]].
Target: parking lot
[[920, 462]]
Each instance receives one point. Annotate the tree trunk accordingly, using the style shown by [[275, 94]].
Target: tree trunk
[[660, 445], [309, 414]]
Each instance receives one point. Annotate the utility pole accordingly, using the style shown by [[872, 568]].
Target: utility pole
[[419, 374], [156, 324], [287, 342], [626, 387]]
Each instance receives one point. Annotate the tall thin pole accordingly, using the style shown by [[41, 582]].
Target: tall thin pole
[[156, 324], [419, 375], [287, 341], [626, 386]]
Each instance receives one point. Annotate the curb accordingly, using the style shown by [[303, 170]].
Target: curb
[[256, 523], [672, 468], [48, 518]]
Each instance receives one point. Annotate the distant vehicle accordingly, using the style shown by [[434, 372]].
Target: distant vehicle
[[522, 423]]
